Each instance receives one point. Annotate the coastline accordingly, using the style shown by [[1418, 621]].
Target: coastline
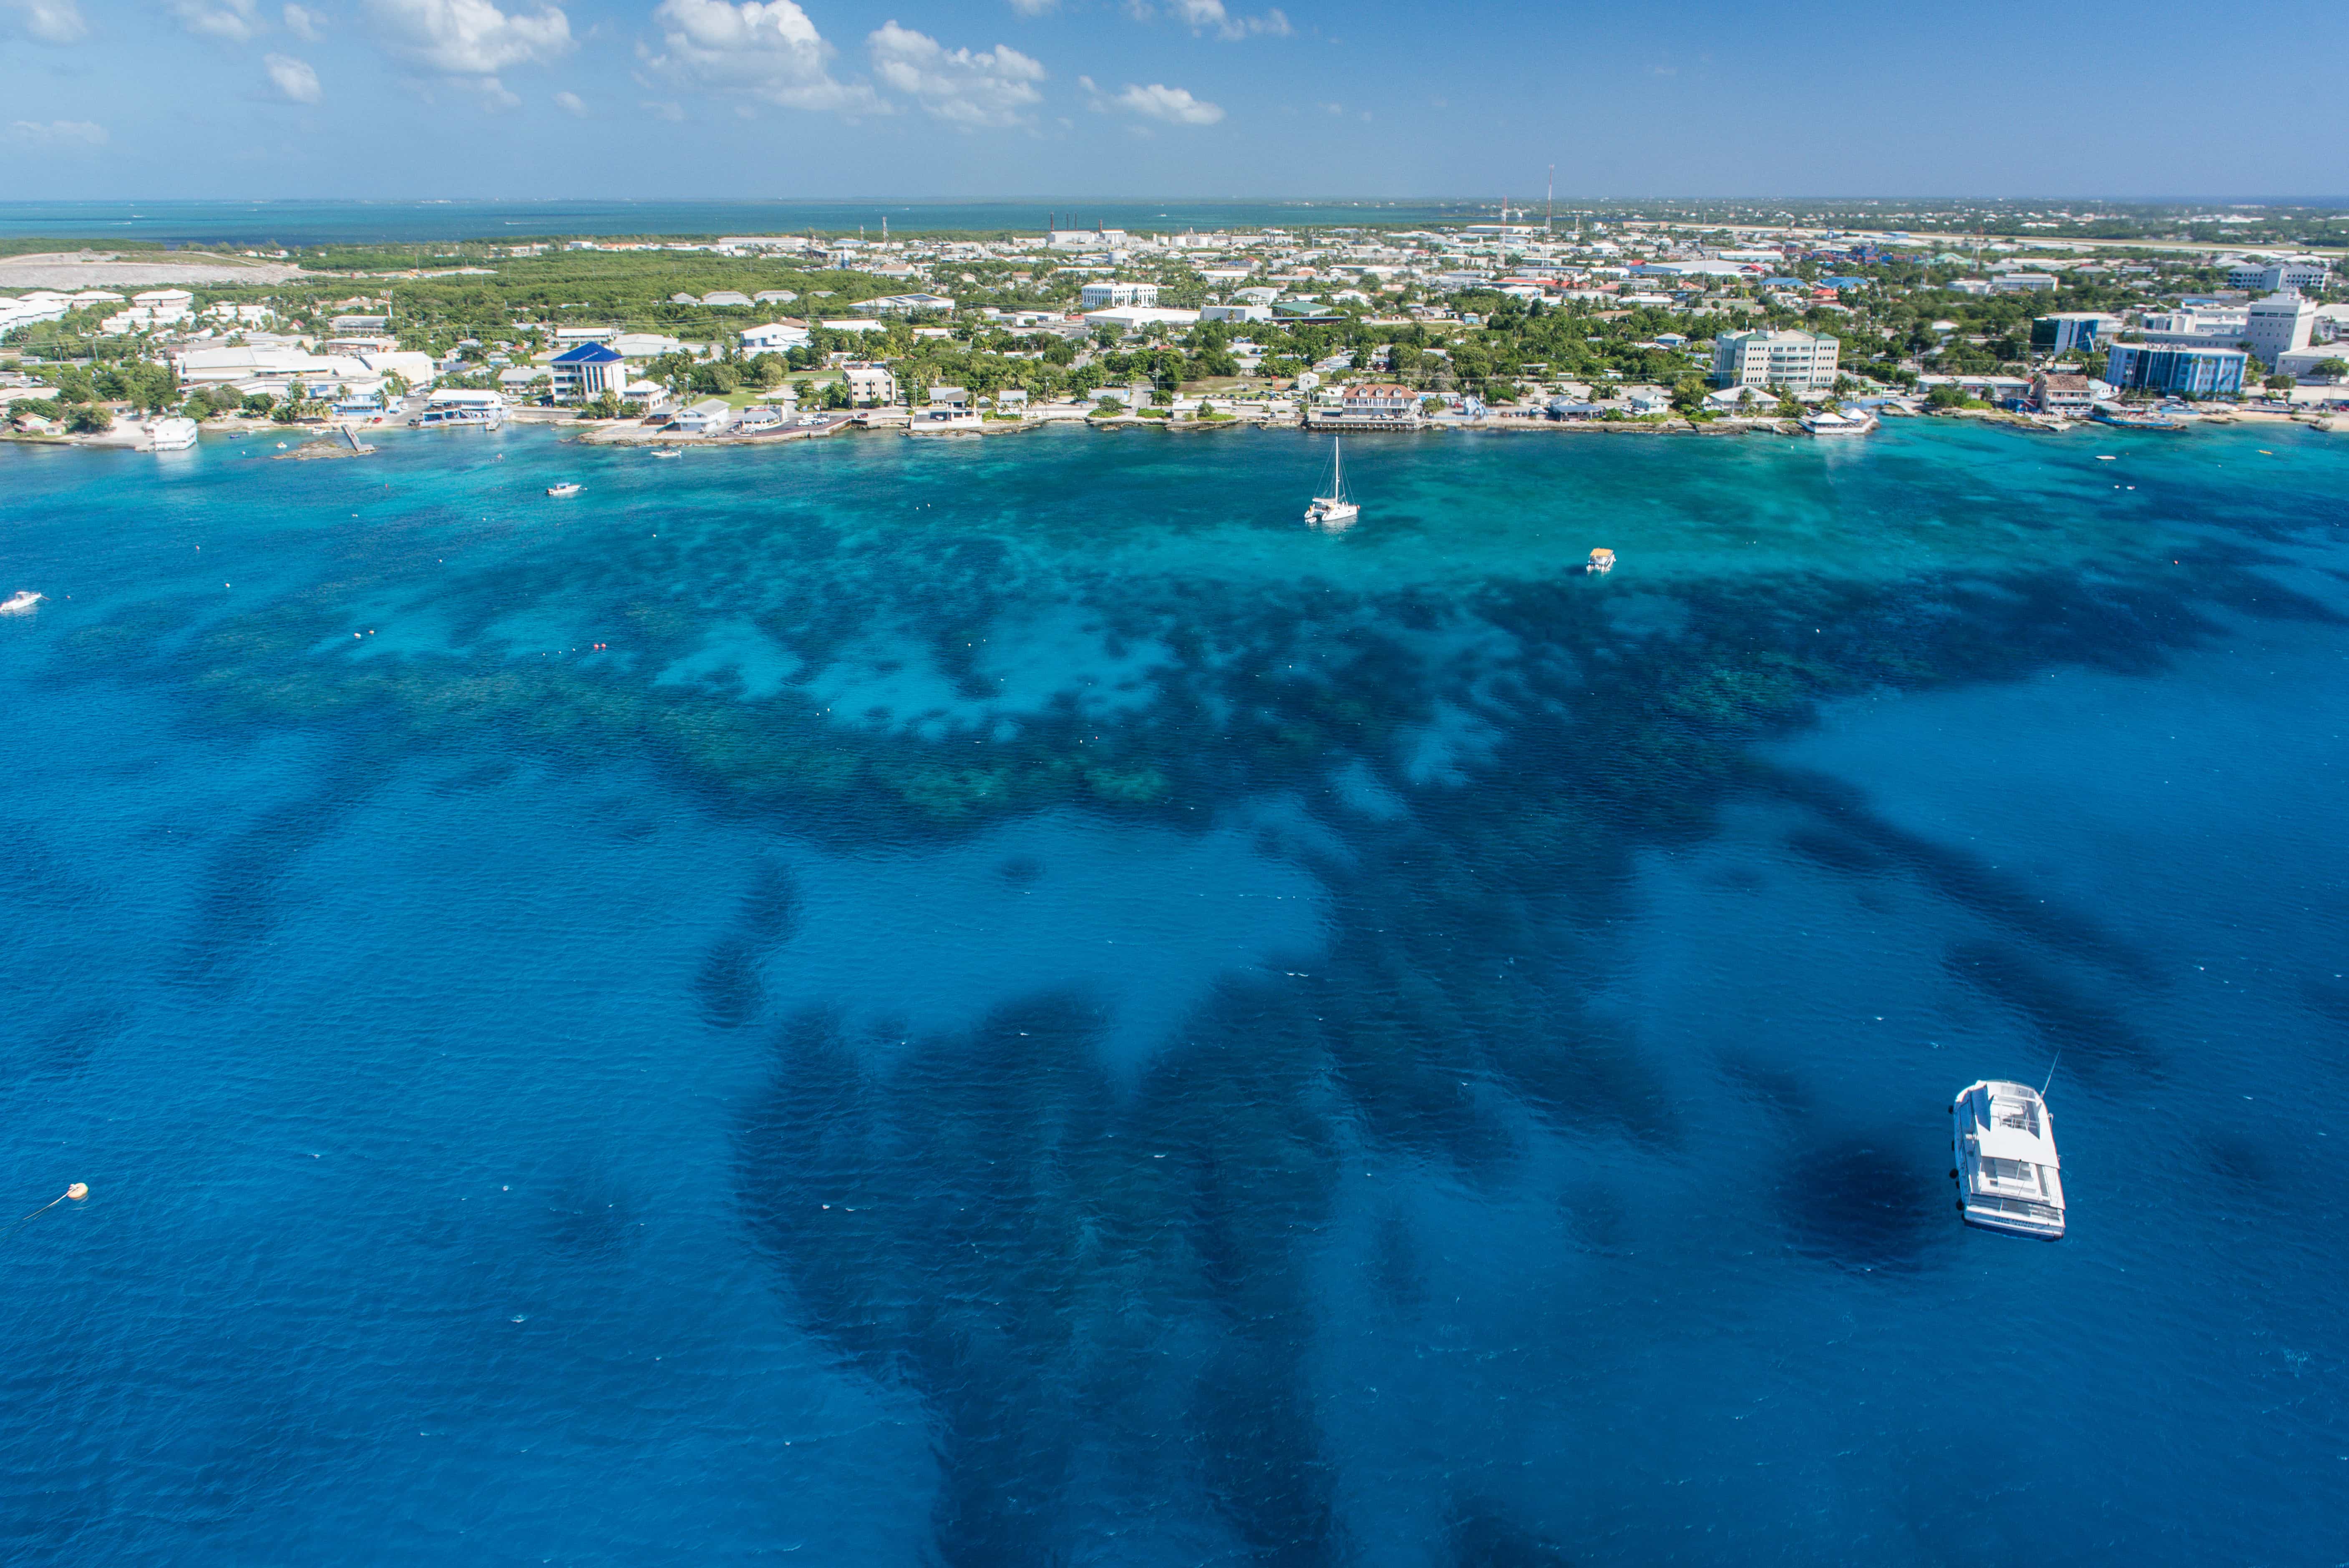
[[325, 440]]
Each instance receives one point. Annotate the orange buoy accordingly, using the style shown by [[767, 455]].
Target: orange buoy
[[77, 1191]]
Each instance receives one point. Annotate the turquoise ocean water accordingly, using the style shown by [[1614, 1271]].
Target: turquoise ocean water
[[1001, 1003]]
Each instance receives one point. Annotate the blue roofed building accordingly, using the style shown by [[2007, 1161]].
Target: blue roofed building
[[587, 372]]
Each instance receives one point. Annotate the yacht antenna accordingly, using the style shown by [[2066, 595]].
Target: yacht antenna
[[2050, 1073]]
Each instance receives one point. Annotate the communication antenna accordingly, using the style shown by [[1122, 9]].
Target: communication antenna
[[1549, 204]]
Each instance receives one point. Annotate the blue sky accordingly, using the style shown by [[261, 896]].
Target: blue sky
[[519, 99]]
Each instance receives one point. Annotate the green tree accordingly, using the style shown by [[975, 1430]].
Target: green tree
[[88, 419]]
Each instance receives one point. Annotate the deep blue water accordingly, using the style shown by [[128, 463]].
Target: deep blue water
[[876, 1002], [413, 222]]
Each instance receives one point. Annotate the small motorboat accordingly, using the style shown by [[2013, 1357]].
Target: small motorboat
[[2008, 1176], [667, 452], [20, 604], [563, 492], [1602, 560]]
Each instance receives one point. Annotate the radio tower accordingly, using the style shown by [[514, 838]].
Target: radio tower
[[1549, 204]]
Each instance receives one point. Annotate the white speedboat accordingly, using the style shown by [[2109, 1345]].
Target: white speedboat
[[1333, 511], [2004, 1144], [667, 452], [20, 604], [172, 435], [563, 492]]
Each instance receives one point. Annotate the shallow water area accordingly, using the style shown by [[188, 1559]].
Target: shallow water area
[[996, 1002]]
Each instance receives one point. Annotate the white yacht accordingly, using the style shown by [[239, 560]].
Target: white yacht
[[1333, 511], [170, 435], [2004, 1144], [21, 603], [563, 492]]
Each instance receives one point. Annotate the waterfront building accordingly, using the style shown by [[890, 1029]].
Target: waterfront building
[[585, 373], [2302, 364], [2187, 369], [711, 417], [2074, 396], [1798, 361], [2277, 324], [870, 385]]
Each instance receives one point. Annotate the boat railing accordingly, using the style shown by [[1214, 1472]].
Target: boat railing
[[2023, 1207]]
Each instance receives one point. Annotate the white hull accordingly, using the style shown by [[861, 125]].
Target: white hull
[[20, 604], [1333, 511], [2002, 1149]]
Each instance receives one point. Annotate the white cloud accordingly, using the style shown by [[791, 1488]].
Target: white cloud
[[291, 77], [305, 23], [1033, 8], [1210, 16], [235, 20], [571, 103], [1175, 106], [64, 133], [49, 21], [472, 37], [769, 50], [992, 87]]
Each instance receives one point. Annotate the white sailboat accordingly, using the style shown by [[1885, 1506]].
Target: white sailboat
[[1333, 511]]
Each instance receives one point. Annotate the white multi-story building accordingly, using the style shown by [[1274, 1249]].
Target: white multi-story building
[[869, 384], [2300, 272], [1799, 361], [2278, 325], [1111, 296]]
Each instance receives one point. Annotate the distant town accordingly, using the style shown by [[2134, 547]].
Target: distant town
[[1616, 324]]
